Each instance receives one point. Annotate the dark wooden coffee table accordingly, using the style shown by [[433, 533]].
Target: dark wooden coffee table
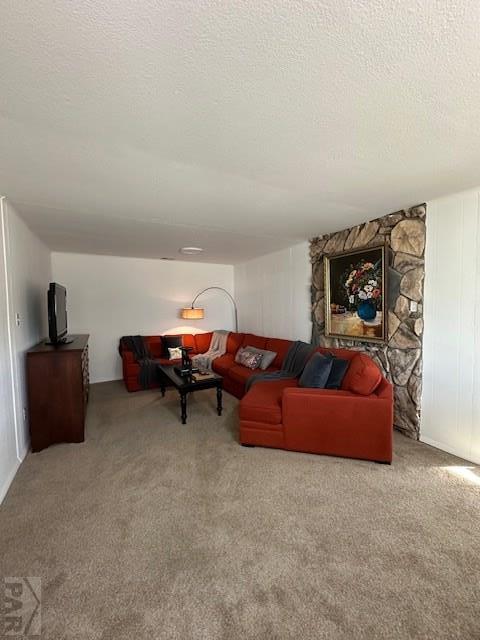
[[185, 385]]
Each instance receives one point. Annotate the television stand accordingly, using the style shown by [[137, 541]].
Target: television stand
[[58, 383]]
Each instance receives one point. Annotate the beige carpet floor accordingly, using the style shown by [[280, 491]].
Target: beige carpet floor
[[151, 529]]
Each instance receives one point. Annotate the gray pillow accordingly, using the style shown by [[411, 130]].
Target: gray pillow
[[267, 357]]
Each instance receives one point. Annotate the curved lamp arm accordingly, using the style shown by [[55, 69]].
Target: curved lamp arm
[[228, 294]]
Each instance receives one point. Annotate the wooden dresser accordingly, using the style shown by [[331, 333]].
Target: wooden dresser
[[58, 382]]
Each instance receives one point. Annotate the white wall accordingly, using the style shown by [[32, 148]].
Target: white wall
[[109, 297], [273, 294], [451, 383], [25, 274], [9, 460]]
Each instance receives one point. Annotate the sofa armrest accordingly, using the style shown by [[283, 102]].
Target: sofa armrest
[[385, 390], [338, 423], [310, 405], [128, 357]]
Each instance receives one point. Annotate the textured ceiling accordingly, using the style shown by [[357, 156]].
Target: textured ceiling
[[134, 128]]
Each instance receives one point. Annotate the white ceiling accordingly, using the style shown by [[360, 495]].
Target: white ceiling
[[135, 128]]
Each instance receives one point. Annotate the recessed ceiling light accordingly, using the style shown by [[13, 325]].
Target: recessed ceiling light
[[190, 251]]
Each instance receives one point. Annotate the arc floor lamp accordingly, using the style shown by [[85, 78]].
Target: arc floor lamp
[[197, 313]]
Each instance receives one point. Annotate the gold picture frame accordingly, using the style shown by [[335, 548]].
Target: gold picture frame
[[355, 295]]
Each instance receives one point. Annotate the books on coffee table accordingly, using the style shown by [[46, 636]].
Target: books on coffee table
[[203, 375]]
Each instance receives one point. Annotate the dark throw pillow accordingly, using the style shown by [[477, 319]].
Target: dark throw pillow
[[337, 372], [170, 342], [316, 373]]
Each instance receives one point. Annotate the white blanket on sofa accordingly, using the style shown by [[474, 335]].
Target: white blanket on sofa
[[217, 348]]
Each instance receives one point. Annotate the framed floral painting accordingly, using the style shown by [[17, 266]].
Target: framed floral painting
[[355, 295]]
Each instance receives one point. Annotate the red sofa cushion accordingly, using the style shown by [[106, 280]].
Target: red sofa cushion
[[155, 345], [189, 341], [164, 353], [251, 340], [263, 402], [223, 364], [202, 341], [241, 374], [280, 347], [363, 376], [234, 342]]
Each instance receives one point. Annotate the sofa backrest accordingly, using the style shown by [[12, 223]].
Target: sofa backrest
[[234, 342], [363, 375], [251, 340], [155, 343], [280, 347], [202, 341], [189, 341]]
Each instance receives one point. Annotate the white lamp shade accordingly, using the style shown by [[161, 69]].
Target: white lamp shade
[[193, 313]]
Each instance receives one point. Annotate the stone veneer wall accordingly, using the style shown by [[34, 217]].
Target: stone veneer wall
[[400, 358]]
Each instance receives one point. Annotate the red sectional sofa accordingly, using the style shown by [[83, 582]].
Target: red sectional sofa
[[355, 421]]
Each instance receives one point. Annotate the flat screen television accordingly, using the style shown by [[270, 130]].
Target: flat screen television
[[57, 313]]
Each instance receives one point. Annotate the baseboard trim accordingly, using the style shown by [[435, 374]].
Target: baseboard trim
[[466, 455], [9, 479]]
